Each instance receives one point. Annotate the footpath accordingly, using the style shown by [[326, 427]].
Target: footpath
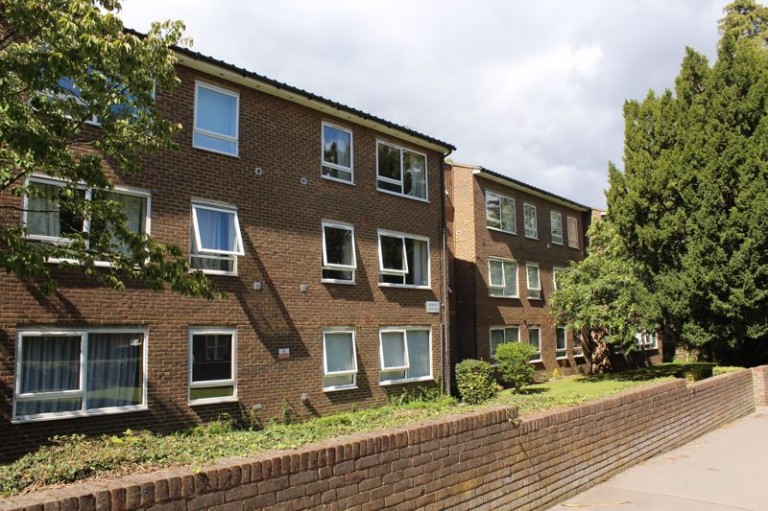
[[724, 470]]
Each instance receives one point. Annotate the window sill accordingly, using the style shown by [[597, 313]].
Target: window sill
[[387, 383], [73, 415], [560, 244], [513, 297], [403, 286], [535, 361], [579, 355], [340, 388], [409, 197], [533, 297], [337, 180], [535, 238], [214, 272], [561, 357], [514, 233], [342, 282], [213, 401]]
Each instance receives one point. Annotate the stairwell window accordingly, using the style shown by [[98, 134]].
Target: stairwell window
[[215, 238], [403, 260], [339, 261], [212, 365], [401, 171], [339, 359], [216, 119], [337, 154], [405, 355], [533, 279], [502, 278]]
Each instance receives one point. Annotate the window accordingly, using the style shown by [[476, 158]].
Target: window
[[339, 359], [339, 262], [215, 238], [556, 227], [405, 355], [502, 278], [211, 365], [71, 373], [561, 343], [573, 232], [534, 281], [646, 341], [401, 171], [337, 153], [500, 213], [557, 271], [216, 119], [578, 350], [534, 339], [529, 218], [403, 260], [502, 334], [50, 214]]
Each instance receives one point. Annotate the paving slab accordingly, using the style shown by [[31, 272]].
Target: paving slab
[[724, 470]]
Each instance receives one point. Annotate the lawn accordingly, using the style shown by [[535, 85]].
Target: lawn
[[74, 458]]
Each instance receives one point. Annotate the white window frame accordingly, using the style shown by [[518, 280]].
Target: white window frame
[[555, 270], [218, 255], [193, 331], [405, 271], [352, 372], [527, 209], [212, 134], [647, 340], [504, 329], [80, 392], [536, 357], [407, 379], [533, 293], [511, 229], [338, 267], [573, 243], [503, 285], [552, 215], [561, 353], [402, 172], [336, 166], [578, 349]]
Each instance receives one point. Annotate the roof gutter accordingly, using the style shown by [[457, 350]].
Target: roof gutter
[[510, 183]]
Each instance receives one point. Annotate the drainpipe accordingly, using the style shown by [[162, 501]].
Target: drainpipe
[[445, 349]]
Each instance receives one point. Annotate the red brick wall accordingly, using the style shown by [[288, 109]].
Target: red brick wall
[[280, 213], [482, 460]]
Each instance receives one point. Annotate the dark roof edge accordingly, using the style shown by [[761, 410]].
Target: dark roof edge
[[300, 92]]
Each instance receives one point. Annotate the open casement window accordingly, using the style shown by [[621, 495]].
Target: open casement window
[[534, 339], [74, 373], [212, 365], [556, 227], [337, 154], [403, 260], [561, 343], [216, 119], [500, 213], [401, 171], [502, 278], [216, 239], [534, 281], [502, 334], [339, 261], [530, 221], [339, 359], [573, 232], [405, 355]]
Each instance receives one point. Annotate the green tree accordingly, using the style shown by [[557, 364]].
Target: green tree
[[514, 364], [64, 65]]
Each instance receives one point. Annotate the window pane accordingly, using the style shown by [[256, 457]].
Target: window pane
[[50, 364], [417, 255], [389, 163], [48, 215], [573, 232], [337, 146], [556, 221], [211, 357], [211, 392], [492, 210], [531, 229], [510, 279], [393, 350], [496, 273], [218, 231], [497, 338], [224, 264], [215, 144], [338, 246], [534, 339], [533, 278], [216, 112], [508, 218], [418, 353], [67, 404], [512, 334], [392, 254], [561, 340], [415, 175], [341, 380], [339, 352], [115, 370]]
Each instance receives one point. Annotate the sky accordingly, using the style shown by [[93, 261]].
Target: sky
[[533, 90]]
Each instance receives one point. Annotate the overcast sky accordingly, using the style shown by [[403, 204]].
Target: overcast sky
[[533, 90]]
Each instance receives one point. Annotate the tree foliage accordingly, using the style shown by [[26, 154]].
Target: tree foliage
[[514, 364], [63, 65]]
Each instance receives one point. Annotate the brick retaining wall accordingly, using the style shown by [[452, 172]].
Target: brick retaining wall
[[484, 460]]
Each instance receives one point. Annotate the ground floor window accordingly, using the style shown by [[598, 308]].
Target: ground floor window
[[561, 338], [405, 355], [502, 334], [212, 365], [70, 373], [339, 359], [534, 339]]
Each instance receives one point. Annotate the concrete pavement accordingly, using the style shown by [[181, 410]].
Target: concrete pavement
[[724, 470]]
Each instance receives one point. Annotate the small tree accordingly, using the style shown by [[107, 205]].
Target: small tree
[[474, 379], [514, 364]]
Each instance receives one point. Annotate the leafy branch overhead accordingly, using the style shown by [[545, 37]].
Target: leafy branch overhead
[[77, 107]]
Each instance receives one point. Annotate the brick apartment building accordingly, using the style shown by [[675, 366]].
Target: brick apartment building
[[323, 225], [507, 241]]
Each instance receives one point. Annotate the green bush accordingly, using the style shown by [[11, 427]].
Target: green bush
[[515, 368], [697, 371], [475, 381], [718, 370]]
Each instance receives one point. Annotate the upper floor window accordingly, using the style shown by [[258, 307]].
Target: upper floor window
[[70, 373], [533, 280], [561, 343], [502, 334], [401, 171], [573, 232], [403, 259], [531, 223], [216, 119], [215, 239], [339, 359], [557, 271], [405, 354], [500, 212], [502, 278], [339, 261], [337, 154], [556, 227], [212, 373]]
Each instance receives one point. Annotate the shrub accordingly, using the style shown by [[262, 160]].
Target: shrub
[[514, 366], [475, 381], [697, 371], [725, 369]]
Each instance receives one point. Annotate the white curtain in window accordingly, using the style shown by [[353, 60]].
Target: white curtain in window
[[418, 353], [415, 174], [418, 262], [339, 354], [49, 364], [510, 278], [393, 350], [114, 370], [216, 230], [43, 216]]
